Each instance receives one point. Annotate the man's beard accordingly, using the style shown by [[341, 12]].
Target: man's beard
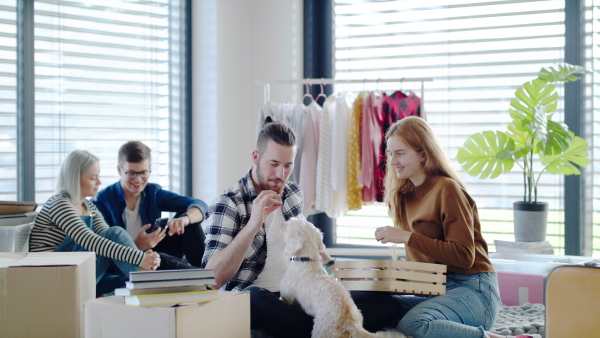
[[264, 184]]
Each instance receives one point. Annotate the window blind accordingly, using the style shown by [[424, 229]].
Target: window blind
[[592, 118], [103, 76], [478, 53], [8, 103]]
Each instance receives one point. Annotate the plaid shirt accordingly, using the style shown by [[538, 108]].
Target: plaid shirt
[[229, 213]]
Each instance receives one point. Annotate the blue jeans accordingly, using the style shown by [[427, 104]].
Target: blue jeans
[[115, 234], [469, 308], [278, 319]]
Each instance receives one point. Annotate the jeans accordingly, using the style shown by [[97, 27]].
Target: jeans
[[115, 234], [469, 308], [278, 319]]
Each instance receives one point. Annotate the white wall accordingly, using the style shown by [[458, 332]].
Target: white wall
[[234, 44]]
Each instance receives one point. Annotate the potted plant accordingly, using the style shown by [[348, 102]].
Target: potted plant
[[531, 134]]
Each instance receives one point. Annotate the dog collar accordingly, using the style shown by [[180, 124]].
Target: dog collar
[[300, 259]]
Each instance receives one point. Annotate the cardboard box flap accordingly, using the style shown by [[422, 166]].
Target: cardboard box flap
[[9, 258], [38, 259]]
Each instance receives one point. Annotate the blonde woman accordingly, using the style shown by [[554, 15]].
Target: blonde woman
[[69, 221]]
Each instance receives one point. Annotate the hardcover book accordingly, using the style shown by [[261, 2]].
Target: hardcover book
[[149, 291], [172, 298], [170, 274], [169, 283]]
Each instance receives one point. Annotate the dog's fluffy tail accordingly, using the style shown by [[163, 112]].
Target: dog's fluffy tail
[[389, 334], [362, 333]]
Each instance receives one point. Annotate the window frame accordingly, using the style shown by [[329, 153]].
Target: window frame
[[179, 173], [578, 223]]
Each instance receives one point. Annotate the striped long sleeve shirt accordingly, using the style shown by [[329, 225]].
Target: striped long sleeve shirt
[[58, 219]]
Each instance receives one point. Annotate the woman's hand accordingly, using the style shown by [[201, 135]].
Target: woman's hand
[[151, 261], [389, 234], [146, 241]]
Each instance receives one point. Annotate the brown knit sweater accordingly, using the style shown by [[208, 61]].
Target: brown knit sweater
[[445, 227]]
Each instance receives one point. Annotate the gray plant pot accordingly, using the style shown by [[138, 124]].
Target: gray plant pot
[[530, 221]]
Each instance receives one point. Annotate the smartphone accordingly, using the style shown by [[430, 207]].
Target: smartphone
[[160, 222]]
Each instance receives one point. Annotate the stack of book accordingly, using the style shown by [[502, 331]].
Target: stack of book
[[168, 287]]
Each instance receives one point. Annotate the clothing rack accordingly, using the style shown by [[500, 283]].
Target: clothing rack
[[322, 81]]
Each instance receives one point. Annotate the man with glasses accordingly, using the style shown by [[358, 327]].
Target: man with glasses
[[135, 204]]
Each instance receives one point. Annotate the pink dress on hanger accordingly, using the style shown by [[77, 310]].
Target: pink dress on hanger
[[372, 120]]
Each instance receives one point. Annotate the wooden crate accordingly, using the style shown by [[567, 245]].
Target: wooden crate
[[392, 276]]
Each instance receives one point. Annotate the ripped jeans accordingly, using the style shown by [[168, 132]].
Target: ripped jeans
[[468, 309]]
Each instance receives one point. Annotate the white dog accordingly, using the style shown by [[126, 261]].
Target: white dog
[[307, 284]]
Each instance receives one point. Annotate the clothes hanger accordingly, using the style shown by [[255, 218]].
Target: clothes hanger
[[377, 91], [405, 93], [307, 93], [321, 94]]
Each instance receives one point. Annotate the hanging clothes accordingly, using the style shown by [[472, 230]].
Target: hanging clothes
[[340, 144], [372, 121], [341, 161], [294, 116], [354, 198], [309, 154], [330, 200], [395, 107]]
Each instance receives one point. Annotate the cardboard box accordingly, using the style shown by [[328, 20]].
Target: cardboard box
[[108, 317], [519, 288], [42, 294], [522, 277]]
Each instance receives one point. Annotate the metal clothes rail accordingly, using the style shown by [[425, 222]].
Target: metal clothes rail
[[323, 81]]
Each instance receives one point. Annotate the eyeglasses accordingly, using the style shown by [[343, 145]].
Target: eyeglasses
[[142, 174]]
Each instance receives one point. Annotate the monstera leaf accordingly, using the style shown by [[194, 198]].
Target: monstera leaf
[[532, 110], [564, 73], [531, 95], [484, 154], [565, 163]]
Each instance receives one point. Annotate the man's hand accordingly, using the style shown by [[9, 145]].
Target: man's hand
[[264, 204], [177, 225], [389, 234], [146, 241]]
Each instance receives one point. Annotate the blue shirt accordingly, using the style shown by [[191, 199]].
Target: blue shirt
[[154, 200]]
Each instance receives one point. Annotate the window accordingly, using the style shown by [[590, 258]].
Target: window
[[8, 101], [105, 72], [478, 53]]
